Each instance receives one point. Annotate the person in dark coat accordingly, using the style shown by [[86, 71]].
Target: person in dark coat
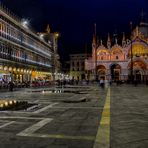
[[11, 86], [102, 83]]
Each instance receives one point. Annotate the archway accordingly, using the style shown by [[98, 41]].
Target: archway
[[138, 75], [115, 72], [138, 49], [83, 76], [101, 72], [139, 70]]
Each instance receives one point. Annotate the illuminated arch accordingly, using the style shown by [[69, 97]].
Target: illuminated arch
[[139, 70], [101, 67], [103, 51], [103, 54], [101, 71], [138, 64], [138, 49], [116, 50], [115, 70], [117, 53]]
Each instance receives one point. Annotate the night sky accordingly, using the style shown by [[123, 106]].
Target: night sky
[[75, 19]]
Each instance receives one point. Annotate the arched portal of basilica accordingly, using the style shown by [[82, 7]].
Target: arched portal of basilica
[[101, 72], [115, 70], [139, 70]]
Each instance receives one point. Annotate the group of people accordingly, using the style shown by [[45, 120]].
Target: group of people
[[103, 82], [9, 84], [72, 82]]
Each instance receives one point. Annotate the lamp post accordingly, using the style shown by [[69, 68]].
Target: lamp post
[[55, 47], [131, 77], [95, 35], [96, 66], [131, 63]]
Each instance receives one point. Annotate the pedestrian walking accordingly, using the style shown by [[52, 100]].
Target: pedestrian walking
[[11, 86], [102, 83], [110, 82], [135, 82]]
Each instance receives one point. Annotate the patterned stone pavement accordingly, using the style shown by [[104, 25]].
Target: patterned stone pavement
[[129, 116], [57, 122], [91, 118]]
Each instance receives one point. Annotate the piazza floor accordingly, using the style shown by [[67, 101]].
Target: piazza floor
[[80, 117]]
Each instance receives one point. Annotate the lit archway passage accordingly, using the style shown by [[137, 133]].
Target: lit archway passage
[[139, 70]]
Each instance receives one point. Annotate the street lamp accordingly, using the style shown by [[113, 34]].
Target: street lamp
[[42, 36], [95, 37], [56, 35], [131, 56], [96, 64], [25, 23]]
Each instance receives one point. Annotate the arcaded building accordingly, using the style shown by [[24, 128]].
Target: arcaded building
[[24, 55], [120, 62]]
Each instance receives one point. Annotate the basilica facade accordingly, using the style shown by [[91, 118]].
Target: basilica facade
[[120, 62]]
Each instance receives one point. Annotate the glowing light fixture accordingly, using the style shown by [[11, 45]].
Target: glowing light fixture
[[57, 34], [42, 36], [25, 23], [6, 103], [10, 102], [1, 105]]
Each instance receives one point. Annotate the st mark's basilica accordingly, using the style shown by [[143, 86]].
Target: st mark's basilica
[[120, 62]]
